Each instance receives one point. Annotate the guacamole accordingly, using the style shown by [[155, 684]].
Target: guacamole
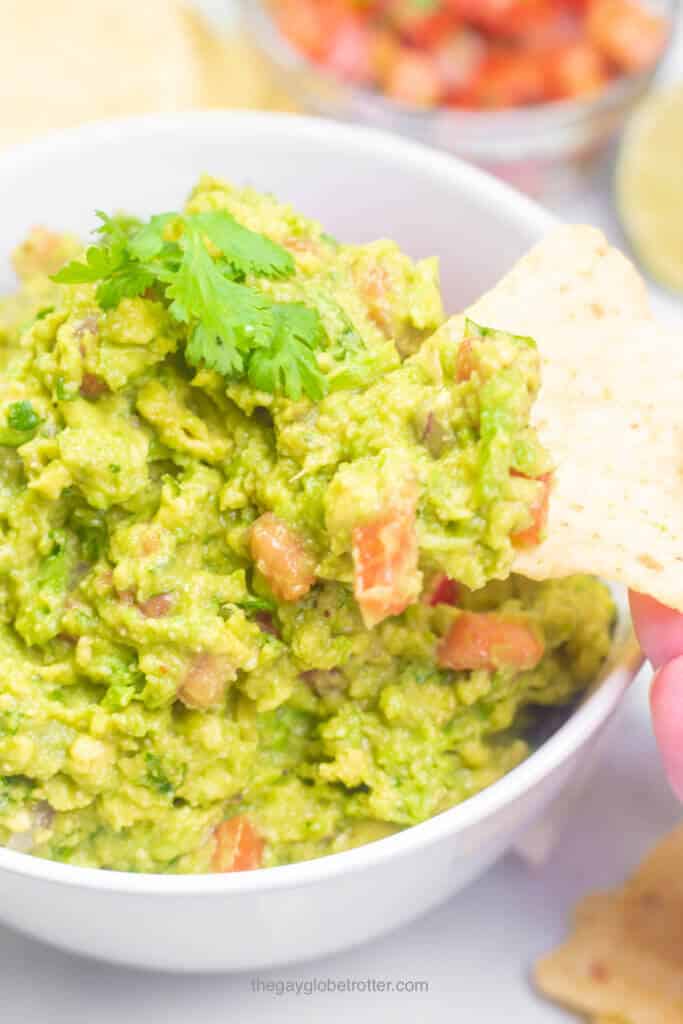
[[257, 517]]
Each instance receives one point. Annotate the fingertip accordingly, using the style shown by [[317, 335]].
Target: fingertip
[[659, 629], [666, 701]]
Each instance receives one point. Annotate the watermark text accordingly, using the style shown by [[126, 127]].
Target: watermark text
[[310, 986]]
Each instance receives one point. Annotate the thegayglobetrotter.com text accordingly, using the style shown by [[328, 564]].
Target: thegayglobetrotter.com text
[[309, 986]]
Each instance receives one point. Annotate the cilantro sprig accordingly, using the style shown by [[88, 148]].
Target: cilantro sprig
[[203, 267], [119, 273]]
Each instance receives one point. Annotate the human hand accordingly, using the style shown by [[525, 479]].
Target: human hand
[[660, 632]]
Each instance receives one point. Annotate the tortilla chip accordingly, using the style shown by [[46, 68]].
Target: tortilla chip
[[65, 63], [624, 959], [573, 275], [73, 61], [610, 412], [232, 72]]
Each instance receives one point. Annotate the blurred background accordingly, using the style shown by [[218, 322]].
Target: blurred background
[[573, 101]]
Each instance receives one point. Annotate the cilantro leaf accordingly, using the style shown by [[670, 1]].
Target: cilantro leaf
[[156, 777], [116, 229], [100, 262], [207, 348], [232, 327], [246, 251], [64, 393], [110, 263], [10, 721], [257, 604], [104, 260], [148, 241], [129, 281], [288, 363], [22, 416], [230, 318]]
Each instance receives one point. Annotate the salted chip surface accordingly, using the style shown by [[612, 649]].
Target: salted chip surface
[[65, 63], [610, 412], [231, 71], [623, 962]]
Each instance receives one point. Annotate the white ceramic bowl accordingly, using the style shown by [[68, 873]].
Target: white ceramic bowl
[[362, 185]]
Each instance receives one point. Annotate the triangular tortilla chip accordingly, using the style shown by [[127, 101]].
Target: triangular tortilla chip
[[624, 959], [65, 63], [610, 412], [231, 70]]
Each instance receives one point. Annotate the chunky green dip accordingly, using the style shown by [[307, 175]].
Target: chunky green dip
[[255, 603]]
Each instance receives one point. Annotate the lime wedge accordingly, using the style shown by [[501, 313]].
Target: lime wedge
[[649, 184]]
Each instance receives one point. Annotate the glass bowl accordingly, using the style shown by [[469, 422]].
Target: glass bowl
[[545, 150]]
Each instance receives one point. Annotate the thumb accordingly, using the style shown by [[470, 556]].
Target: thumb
[[666, 701], [659, 629]]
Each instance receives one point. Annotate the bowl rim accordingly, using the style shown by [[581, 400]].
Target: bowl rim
[[538, 117], [582, 724]]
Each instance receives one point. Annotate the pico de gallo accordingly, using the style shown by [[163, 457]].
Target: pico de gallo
[[476, 54]]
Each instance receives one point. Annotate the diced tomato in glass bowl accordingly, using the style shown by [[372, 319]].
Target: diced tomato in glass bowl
[[529, 89], [501, 53]]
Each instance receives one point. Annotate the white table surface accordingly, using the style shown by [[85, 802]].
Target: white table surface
[[474, 952]]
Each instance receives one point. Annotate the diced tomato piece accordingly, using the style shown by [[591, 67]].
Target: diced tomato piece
[[487, 640], [464, 361], [206, 681], [575, 70], [93, 386], [266, 623], [414, 79], [385, 557], [350, 51], [529, 23], [443, 590], [559, 27], [157, 607], [281, 556], [150, 542], [533, 534], [375, 287], [511, 18], [420, 25], [309, 24], [43, 252], [506, 79], [627, 34], [481, 12], [385, 49], [239, 847], [458, 60], [305, 246], [325, 682], [302, 25]]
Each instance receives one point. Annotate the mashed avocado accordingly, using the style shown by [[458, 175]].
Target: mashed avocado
[[255, 603]]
